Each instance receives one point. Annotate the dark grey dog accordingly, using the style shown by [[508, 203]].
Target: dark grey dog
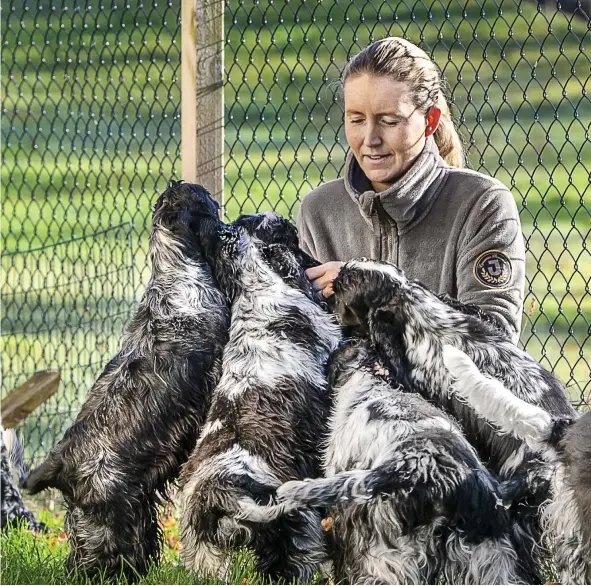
[[412, 324], [411, 502], [268, 411], [564, 442], [144, 413]]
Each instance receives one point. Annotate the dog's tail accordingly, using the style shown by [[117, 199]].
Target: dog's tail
[[492, 401], [351, 487]]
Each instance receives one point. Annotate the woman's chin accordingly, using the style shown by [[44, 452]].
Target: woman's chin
[[381, 179]]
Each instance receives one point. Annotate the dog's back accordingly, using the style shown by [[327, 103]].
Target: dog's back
[[267, 414], [143, 414]]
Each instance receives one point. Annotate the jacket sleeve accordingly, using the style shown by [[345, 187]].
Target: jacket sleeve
[[490, 269], [304, 235]]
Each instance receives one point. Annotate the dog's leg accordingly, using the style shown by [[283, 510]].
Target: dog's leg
[[201, 556], [292, 548], [492, 561], [491, 400], [565, 531]]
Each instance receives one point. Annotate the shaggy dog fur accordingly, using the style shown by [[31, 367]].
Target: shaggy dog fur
[[268, 410], [409, 326], [143, 415], [412, 503], [13, 509], [564, 442]]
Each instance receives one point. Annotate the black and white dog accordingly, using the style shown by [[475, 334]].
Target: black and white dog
[[565, 442], [143, 415], [412, 502], [409, 326], [13, 508], [412, 324], [268, 410]]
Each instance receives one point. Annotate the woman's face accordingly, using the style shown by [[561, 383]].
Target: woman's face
[[384, 129]]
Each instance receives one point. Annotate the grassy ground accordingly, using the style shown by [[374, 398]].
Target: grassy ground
[[32, 558], [91, 133]]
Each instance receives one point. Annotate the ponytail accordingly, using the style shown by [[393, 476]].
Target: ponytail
[[446, 136]]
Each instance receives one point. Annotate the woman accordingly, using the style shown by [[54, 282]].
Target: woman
[[405, 197]]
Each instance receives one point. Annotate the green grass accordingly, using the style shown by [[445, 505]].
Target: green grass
[[91, 133], [33, 558]]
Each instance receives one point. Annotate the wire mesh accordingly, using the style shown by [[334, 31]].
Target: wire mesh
[[91, 133], [518, 75]]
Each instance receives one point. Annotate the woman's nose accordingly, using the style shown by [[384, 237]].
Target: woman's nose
[[372, 136]]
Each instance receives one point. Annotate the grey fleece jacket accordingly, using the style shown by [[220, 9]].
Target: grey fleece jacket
[[455, 230]]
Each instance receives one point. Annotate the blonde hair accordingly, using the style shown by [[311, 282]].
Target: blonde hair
[[400, 60]]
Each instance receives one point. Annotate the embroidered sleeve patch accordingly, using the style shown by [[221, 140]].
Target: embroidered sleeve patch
[[493, 269]]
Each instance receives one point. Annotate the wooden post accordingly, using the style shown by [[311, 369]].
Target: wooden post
[[202, 94], [28, 396]]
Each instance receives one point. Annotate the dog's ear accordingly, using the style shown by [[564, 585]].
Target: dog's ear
[[45, 476], [350, 302], [386, 331]]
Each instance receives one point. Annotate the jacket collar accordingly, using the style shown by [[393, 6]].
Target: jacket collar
[[409, 198]]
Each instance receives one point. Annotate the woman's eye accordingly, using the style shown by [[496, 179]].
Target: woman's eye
[[355, 120], [390, 122]]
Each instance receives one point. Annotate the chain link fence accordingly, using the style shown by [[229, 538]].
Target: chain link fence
[[91, 134]]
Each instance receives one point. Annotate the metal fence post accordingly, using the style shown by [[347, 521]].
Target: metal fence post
[[202, 91]]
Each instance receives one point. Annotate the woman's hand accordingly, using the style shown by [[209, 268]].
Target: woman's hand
[[323, 276]]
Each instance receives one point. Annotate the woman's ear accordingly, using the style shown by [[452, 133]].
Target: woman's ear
[[433, 116]]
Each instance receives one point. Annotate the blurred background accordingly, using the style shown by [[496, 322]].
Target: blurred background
[[91, 97]]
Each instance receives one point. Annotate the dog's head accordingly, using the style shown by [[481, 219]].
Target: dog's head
[[189, 214], [351, 356], [184, 203], [269, 227], [273, 230], [277, 241], [354, 355], [363, 286]]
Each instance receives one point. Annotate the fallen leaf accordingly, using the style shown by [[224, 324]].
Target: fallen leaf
[[172, 541], [170, 522]]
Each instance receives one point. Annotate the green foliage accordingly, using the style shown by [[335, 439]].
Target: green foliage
[[31, 558]]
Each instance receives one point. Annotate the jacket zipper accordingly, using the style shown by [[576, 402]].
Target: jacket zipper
[[385, 226]]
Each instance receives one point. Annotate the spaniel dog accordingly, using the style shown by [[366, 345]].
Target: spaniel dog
[[143, 415], [13, 508], [268, 411], [411, 502], [564, 442], [409, 325]]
